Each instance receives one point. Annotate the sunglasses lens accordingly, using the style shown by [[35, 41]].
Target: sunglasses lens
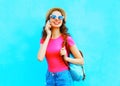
[[60, 17], [53, 16]]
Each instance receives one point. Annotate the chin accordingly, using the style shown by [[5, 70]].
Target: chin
[[56, 26]]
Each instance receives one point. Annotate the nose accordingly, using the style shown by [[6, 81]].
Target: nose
[[56, 19]]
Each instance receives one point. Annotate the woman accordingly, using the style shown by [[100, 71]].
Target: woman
[[51, 42]]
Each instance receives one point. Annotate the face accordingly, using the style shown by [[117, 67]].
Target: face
[[56, 19]]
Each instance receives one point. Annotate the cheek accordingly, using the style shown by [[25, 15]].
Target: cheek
[[52, 24], [61, 24], [51, 21]]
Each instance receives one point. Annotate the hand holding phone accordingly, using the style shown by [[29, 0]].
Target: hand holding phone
[[47, 28]]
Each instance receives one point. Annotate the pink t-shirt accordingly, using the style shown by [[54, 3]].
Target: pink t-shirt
[[54, 60]]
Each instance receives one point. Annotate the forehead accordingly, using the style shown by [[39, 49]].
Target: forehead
[[56, 13]]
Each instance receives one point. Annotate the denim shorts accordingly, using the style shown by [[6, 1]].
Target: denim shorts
[[62, 78]]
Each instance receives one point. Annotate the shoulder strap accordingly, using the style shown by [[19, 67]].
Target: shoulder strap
[[65, 44]]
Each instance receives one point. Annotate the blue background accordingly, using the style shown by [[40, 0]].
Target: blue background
[[93, 24]]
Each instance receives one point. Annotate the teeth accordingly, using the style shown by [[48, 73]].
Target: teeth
[[56, 22]]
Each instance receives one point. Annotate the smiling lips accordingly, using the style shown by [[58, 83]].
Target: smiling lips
[[56, 23]]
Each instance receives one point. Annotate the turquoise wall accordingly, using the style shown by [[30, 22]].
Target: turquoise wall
[[93, 24]]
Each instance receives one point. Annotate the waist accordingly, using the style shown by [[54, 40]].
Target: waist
[[57, 69]]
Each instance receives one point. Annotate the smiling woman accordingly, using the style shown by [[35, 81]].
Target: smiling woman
[[54, 33], [56, 19], [93, 24]]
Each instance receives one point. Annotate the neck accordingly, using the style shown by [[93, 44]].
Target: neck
[[55, 32]]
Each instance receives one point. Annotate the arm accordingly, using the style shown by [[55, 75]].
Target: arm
[[78, 59], [42, 50], [43, 47]]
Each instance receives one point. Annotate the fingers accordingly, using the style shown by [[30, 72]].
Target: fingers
[[48, 22], [63, 47], [63, 51], [48, 26]]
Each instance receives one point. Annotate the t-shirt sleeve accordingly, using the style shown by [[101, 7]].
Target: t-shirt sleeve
[[70, 41]]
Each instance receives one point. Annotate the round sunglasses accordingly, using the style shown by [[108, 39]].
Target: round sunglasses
[[59, 17]]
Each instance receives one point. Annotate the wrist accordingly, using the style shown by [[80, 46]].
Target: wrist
[[48, 35], [65, 58]]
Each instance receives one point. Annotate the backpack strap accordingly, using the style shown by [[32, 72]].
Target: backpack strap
[[65, 44]]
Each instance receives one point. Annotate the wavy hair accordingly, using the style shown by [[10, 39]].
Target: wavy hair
[[63, 28]]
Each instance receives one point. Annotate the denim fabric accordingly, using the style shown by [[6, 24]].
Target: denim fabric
[[59, 78]]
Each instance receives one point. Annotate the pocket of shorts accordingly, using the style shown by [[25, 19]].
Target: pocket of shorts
[[65, 76]]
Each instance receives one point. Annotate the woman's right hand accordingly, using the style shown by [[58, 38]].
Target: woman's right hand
[[47, 28]]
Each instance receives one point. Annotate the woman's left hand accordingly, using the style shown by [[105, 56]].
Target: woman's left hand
[[63, 53]]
